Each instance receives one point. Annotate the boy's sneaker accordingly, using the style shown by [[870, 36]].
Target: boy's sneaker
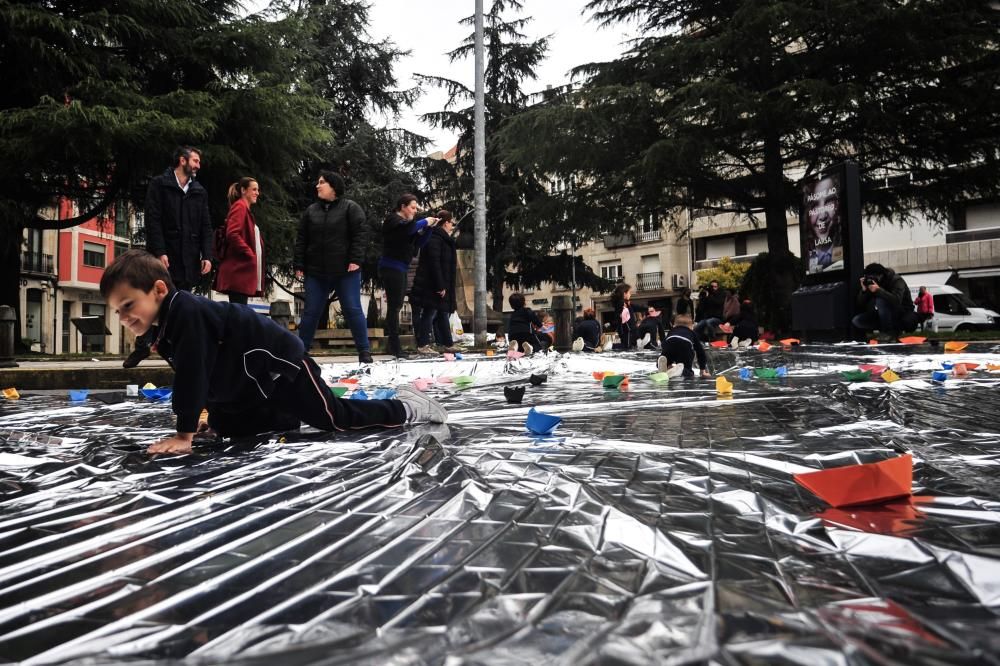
[[734, 343], [662, 365], [514, 345], [609, 343], [641, 344], [527, 349], [578, 345], [420, 408]]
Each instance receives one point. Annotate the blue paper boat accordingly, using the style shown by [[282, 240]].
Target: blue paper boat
[[384, 394], [157, 393], [541, 423], [939, 376], [359, 395], [458, 356], [782, 371], [746, 373], [78, 394]]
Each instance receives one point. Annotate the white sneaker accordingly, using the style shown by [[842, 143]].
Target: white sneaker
[[609, 343], [734, 343], [641, 344], [578, 345], [676, 370], [513, 345], [527, 349], [421, 408], [661, 364], [745, 343]]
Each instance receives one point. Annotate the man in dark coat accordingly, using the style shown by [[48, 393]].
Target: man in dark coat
[[884, 303], [433, 288], [710, 307], [178, 230]]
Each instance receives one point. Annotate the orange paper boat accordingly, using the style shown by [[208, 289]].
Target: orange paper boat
[[993, 367], [953, 346], [861, 484], [719, 344], [873, 342], [788, 342], [913, 340], [763, 346]]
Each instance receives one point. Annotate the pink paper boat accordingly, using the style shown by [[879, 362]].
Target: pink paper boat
[[514, 354]]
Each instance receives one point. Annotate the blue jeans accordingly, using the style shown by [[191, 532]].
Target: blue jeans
[[707, 329], [348, 288], [885, 318]]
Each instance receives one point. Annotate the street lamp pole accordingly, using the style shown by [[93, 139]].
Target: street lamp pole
[[479, 187]]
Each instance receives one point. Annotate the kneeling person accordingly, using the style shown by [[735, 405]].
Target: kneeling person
[[252, 375], [680, 346]]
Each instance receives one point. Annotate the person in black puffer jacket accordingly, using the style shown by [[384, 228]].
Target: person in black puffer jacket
[[329, 250], [433, 288]]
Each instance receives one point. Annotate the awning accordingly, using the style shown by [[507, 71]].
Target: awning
[[979, 272], [924, 279]]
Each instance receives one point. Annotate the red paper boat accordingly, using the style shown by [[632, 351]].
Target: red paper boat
[[720, 344], [861, 484], [874, 369], [913, 340], [763, 346]]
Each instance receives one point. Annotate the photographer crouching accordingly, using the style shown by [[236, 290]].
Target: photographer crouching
[[884, 303]]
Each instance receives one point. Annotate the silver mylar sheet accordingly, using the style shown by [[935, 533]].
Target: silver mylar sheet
[[659, 524]]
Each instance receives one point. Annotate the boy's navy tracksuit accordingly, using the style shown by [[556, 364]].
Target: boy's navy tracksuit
[[251, 374], [681, 346]]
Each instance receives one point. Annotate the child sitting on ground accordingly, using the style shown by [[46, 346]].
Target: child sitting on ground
[[745, 329], [546, 333], [253, 375], [587, 332], [681, 346], [522, 319]]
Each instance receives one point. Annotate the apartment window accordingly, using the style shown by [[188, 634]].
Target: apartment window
[[612, 272], [94, 255], [120, 249], [121, 219]]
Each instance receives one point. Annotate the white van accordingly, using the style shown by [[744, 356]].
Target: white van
[[954, 311]]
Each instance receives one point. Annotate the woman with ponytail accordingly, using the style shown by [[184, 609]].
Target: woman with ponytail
[[239, 248]]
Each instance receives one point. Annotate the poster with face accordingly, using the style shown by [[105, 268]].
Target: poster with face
[[823, 243]]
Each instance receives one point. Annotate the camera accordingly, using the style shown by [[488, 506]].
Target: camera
[[869, 281]]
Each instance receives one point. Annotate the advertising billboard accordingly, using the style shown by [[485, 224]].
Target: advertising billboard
[[822, 228]]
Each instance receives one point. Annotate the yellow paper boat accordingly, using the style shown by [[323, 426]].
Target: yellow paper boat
[[953, 346], [723, 385], [149, 385], [993, 366], [889, 376], [11, 393]]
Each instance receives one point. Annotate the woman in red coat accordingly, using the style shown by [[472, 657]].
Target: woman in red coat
[[241, 250]]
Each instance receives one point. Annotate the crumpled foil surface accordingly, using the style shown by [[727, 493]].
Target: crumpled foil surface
[[659, 524]]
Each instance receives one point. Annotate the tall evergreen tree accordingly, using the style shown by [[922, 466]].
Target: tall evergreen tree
[[729, 104], [94, 96]]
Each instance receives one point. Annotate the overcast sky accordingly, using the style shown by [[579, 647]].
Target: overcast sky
[[430, 28]]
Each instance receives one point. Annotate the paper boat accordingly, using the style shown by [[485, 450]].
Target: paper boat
[[384, 394], [348, 380], [788, 342], [157, 393], [514, 354], [445, 380], [948, 365], [359, 395], [149, 385], [464, 380], [874, 369], [913, 340], [766, 373], [459, 356], [541, 423], [513, 394], [939, 376], [449, 356], [953, 346], [723, 386], [856, 375], [746, 373], [339, 391], [11, 393], [993, 367], [889, 377], [422, 383], [763, 346], [613, 381], [490, 352], [660, 377], [78, 394], [538, 380], [861, 484], [960, 370], [719, 344], [873, 342]]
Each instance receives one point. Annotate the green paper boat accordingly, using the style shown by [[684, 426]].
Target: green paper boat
[[856, 375], [612, 381], [766, 373], [339, 391], [659, 377], [463, 380]]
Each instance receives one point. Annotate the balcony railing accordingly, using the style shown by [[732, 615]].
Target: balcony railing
[[653, 236], [36, 262], [619, 240], [649, 281], [967, 235]]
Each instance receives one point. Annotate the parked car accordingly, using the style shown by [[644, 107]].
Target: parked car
[[954, 311]]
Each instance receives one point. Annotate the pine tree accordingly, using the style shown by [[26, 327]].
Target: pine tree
[[729, 104]]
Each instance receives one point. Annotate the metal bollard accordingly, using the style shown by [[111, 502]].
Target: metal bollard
[[562, 315], [281, 313], [8, 319]]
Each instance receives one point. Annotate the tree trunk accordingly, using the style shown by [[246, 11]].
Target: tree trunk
[[10, 271], [782, 279]]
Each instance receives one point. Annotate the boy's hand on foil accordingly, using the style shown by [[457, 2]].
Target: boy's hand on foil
[[179, 443]]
